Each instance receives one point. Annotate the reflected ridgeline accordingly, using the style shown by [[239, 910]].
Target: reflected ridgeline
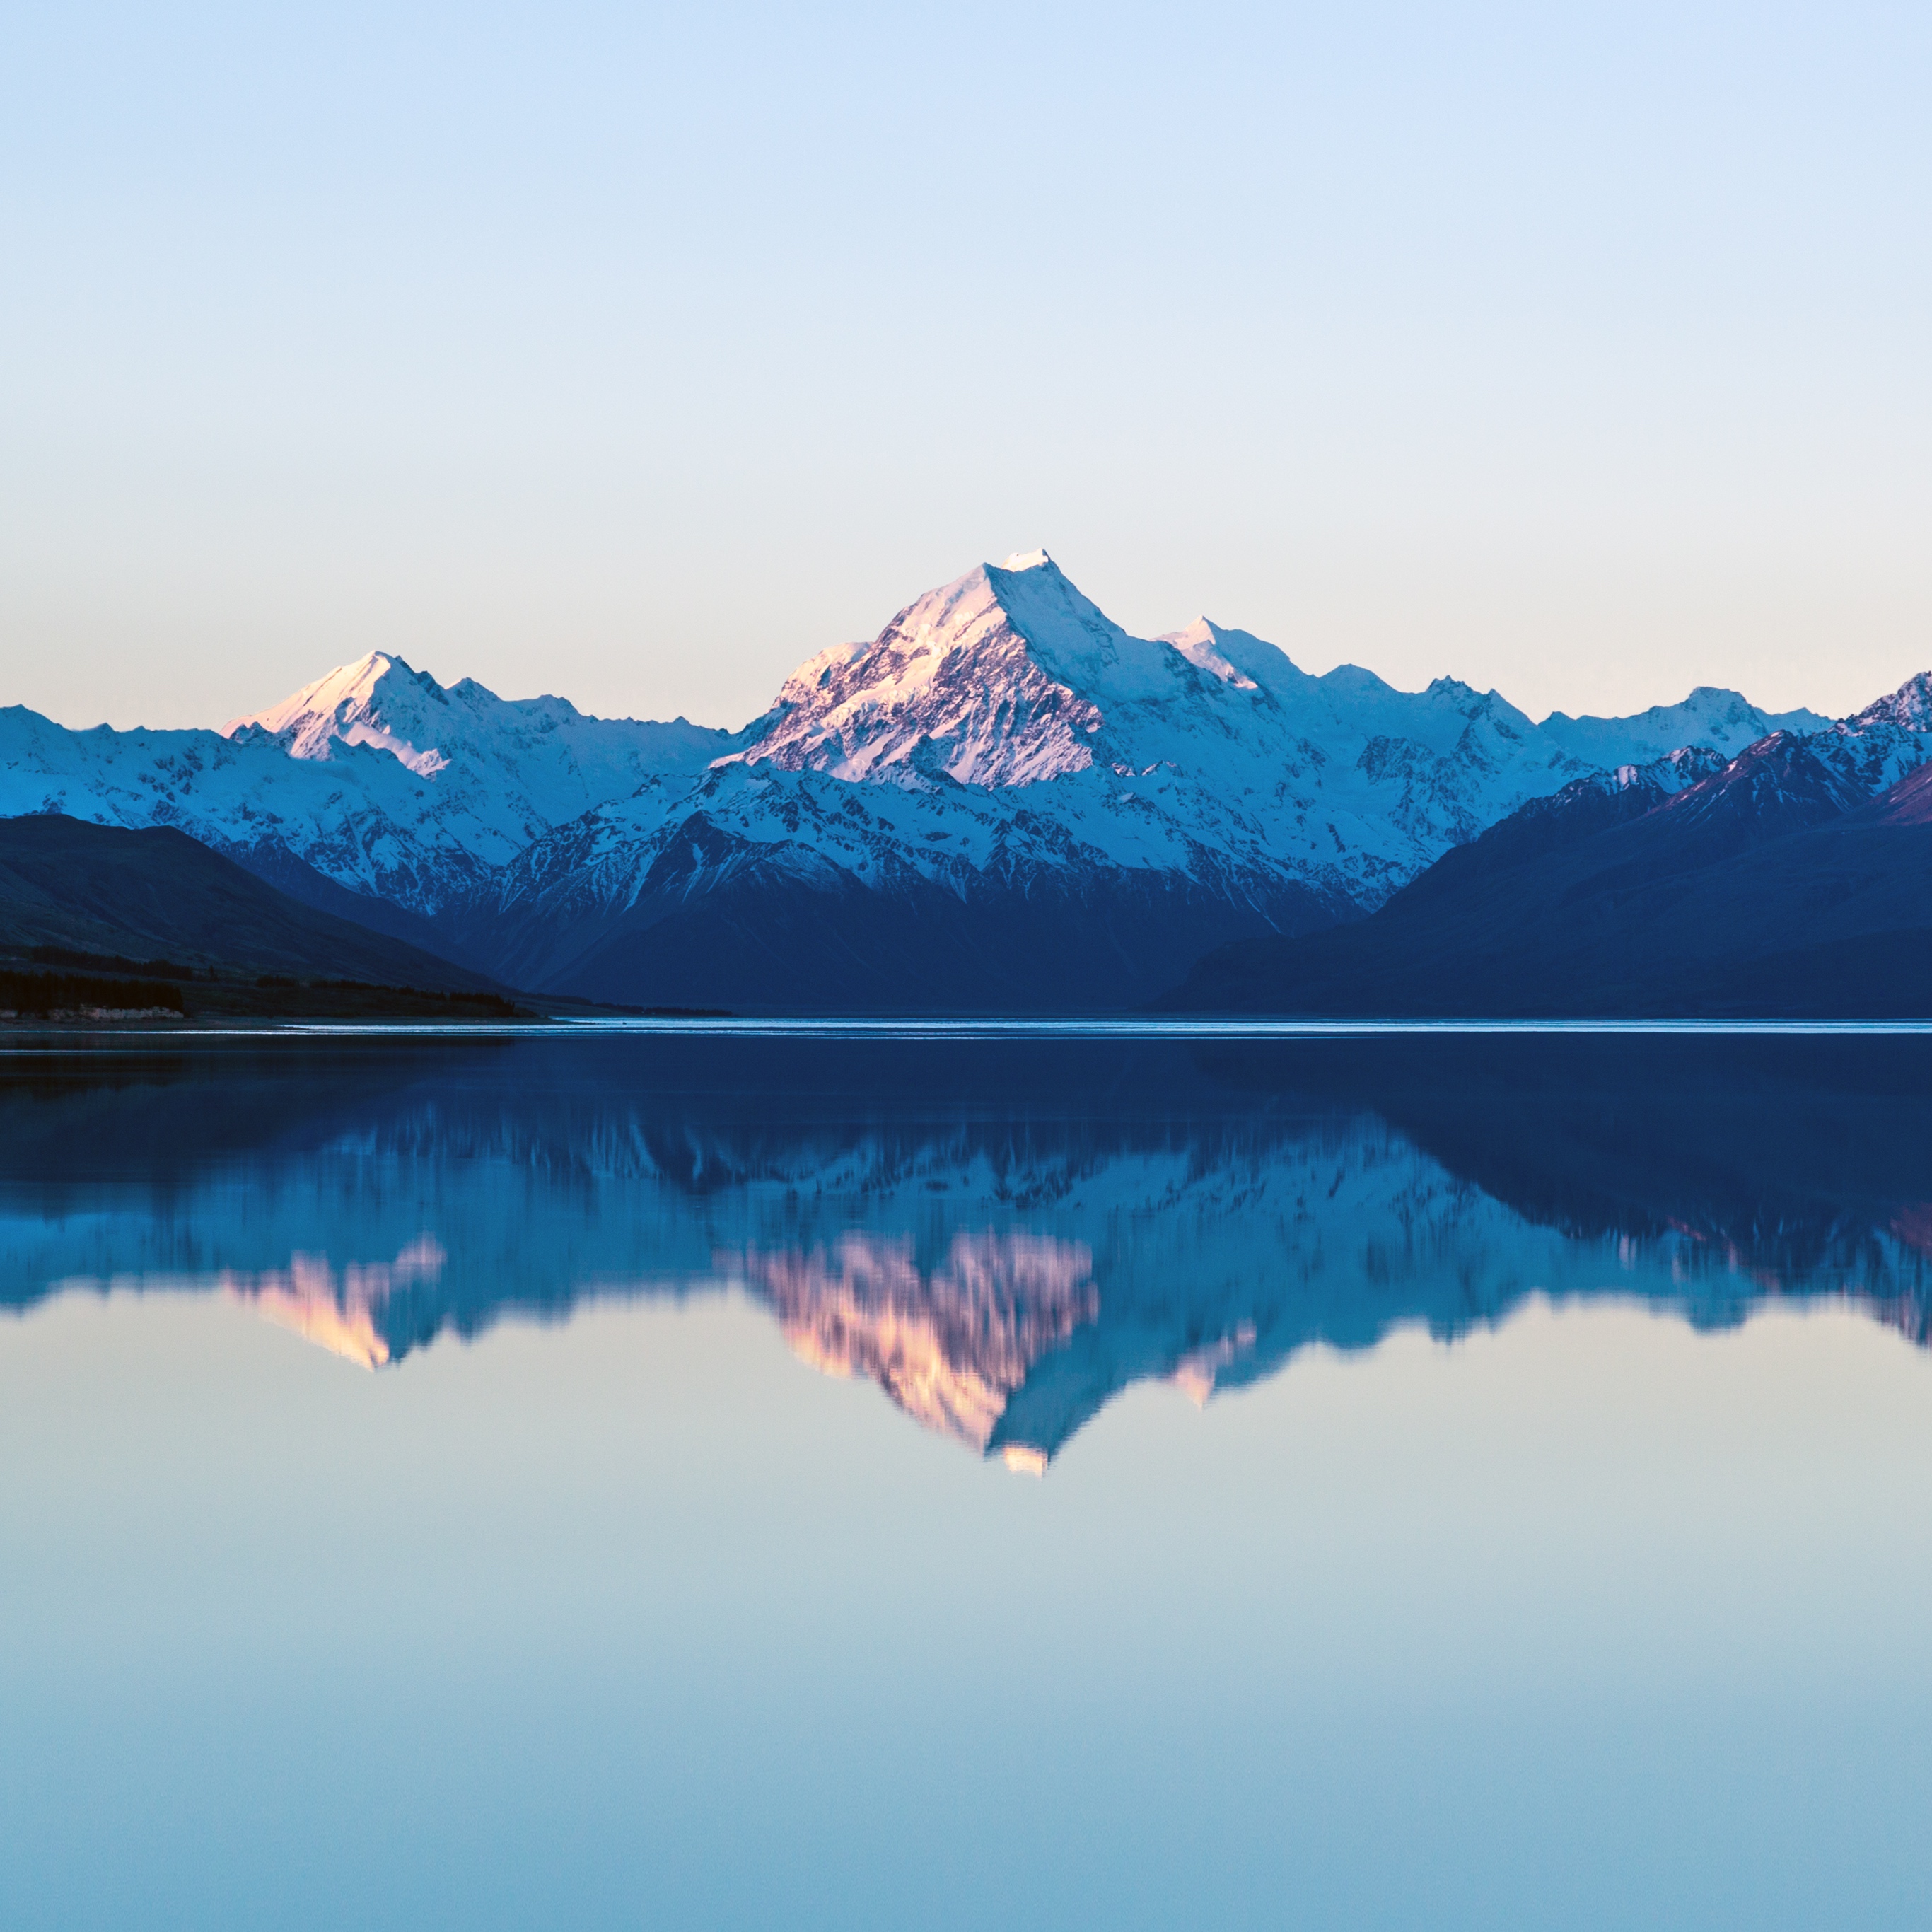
[[1001, 1235]]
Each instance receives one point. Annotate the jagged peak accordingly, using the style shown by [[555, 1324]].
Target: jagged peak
[[1782, 767], [1490, 707], [1009, 665], [1204, 630], [1674, 771], [1910, 706], [347, 705], [1200, 644], [471, 692]]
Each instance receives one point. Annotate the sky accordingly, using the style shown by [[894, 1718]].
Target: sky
[[636, 354]]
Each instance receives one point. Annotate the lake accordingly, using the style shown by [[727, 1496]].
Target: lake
[[1043, 1478]]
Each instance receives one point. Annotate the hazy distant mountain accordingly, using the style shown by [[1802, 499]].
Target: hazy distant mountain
[[1003, 801], [1720, 720]]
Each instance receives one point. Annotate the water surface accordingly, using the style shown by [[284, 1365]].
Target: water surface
[[698, 1479]]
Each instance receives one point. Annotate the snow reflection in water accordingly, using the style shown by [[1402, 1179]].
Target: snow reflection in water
[[1001, 1235]]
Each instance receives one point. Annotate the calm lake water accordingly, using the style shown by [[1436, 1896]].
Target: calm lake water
[[1432, 1481]]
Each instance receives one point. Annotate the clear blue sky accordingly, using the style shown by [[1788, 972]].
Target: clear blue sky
[[636, 354]]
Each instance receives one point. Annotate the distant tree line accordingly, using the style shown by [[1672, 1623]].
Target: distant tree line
[[69, 992]]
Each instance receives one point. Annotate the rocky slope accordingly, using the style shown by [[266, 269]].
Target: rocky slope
[[1773, 886]]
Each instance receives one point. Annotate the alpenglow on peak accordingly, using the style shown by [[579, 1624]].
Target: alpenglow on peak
[[357, 703]]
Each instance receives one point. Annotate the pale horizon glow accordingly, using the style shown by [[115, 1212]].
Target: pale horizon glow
[[636, 358], [431, 763]]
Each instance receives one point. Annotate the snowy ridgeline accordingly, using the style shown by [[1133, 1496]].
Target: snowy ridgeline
[[1000, 736]]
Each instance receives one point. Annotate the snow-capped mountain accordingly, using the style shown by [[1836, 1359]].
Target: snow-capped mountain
[[1005, 777], [1009, 676], [1003, 789], [1720, 721], [893, 895], [1879, 746], [1773, 886], [376, 777], [540, 757], [362, 819], [955, 677]]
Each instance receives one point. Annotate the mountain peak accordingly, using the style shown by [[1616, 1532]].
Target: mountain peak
[[376, 700], [1200, 644], [988, 675], [1777, 784], [1711, 714], [1910, 706]]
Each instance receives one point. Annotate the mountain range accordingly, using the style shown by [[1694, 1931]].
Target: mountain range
[[1773, 886], [1004, 801]]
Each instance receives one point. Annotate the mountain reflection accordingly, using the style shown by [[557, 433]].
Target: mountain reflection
[[340, 1313], [950, 1347], [1001, 1235]]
